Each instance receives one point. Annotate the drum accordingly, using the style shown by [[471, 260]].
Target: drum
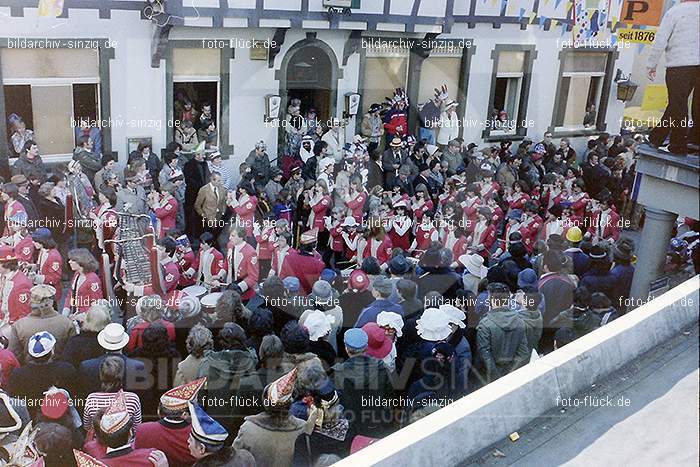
[[196, 291], [209, 302]]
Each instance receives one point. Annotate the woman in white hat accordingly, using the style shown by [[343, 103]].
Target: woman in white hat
[[474, 271], [351, 239]]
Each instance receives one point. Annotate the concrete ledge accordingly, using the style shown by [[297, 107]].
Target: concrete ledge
[[454, 433]]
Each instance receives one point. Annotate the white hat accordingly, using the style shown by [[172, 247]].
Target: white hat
[[474, 264], [209, 300], [391, 320], [454, 314], [41, 344], [318, 324], [433, 325], [349, 222], [431, 148], [113, 337], [325, 162]]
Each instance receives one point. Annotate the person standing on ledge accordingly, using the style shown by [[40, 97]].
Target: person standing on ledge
[[678, 36]]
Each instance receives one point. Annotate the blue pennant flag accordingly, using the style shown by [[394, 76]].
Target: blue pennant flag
[[542, 21], [556, 3], [522, 13]]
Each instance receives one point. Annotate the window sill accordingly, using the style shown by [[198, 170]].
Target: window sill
[[574, 132], [49, 158], [489, 138]]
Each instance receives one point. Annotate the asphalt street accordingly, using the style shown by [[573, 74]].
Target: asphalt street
[[644, 415]]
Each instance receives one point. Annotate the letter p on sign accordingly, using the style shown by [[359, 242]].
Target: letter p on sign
[[642, 12]]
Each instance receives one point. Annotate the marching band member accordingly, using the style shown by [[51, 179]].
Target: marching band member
[[49, 264], [517, 198], [305, 263], [335, 240], [280, 253], [400, 226], [351, 238], [484, 235], [245, 206], [423, 203], [14, 288], [554, 224], [166, 248], [355, 198], [426, 233], [12, 205], [470, 205], [187, 261], [454, 239], [579, 199], [20, 240], [212, 265], [605, 223], [320, 202], [265, 236], [513, 219], [488, 187], [242, 260], [378, 243], [530, 225], [164, 208], [104, 218], [85, 286]]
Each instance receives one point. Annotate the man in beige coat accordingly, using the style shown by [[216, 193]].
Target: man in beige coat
[[42, 318], [211, 204]]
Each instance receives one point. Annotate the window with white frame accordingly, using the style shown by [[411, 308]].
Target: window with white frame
[[509, 78], [196, 79], [386, 68], [51, 90], [580, 85]]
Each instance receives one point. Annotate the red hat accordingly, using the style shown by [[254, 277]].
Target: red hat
[[6, 253], [359, 281], [378, 343], [178, 398], [55, 404], [86, 460]]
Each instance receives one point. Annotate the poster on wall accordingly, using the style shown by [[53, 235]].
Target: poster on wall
[[642, 12], [590, 21]]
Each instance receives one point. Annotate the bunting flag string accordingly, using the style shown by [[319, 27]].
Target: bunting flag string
[[50, 8], [533, 15]]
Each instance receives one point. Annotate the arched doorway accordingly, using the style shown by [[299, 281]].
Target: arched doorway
[[310, 72]]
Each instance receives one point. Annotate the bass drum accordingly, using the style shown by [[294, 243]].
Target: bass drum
[[195, 291]]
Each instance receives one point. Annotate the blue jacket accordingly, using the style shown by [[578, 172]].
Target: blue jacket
[[621, 276], [369, 314], [580, 260]]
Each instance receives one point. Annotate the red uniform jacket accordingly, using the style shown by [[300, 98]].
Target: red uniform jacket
[[50, 270], [470, 213], [605, 229], [136, 334], [14, 296], [518, 201], [128, 457], [246, 213], [497, 216], [382, 252], [243, 269], [265, 239], [425, 207], [171, 438], [278, 264], [350, 241], [458, 248], [171, 278], [188, 262], [579, 203], [24, 250], [487, 238], [166, 214], [305, 267], [356, 205], [490, 190], [318, 211], [424, 238], [336, 239], [400, 232], [530, 231], [86, 293], [211, 265]]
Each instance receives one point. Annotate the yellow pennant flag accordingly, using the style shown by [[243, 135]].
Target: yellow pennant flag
[[555, 23], [51, 8], [613, 23], [533, 15]]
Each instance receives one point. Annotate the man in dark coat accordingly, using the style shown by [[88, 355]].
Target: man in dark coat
[[362, 378], [501, 335], [113, 338], [558, 290], [30, 381], [196, 173]]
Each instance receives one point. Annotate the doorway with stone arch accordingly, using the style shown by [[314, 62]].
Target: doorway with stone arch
[[310, 72]]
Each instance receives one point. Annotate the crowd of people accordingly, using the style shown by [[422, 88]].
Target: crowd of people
[[304, 306]]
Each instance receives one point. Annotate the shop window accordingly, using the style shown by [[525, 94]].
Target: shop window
[[580, 90]]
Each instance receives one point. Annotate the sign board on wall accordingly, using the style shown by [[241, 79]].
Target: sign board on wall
[[642, 12], [639, 36]]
